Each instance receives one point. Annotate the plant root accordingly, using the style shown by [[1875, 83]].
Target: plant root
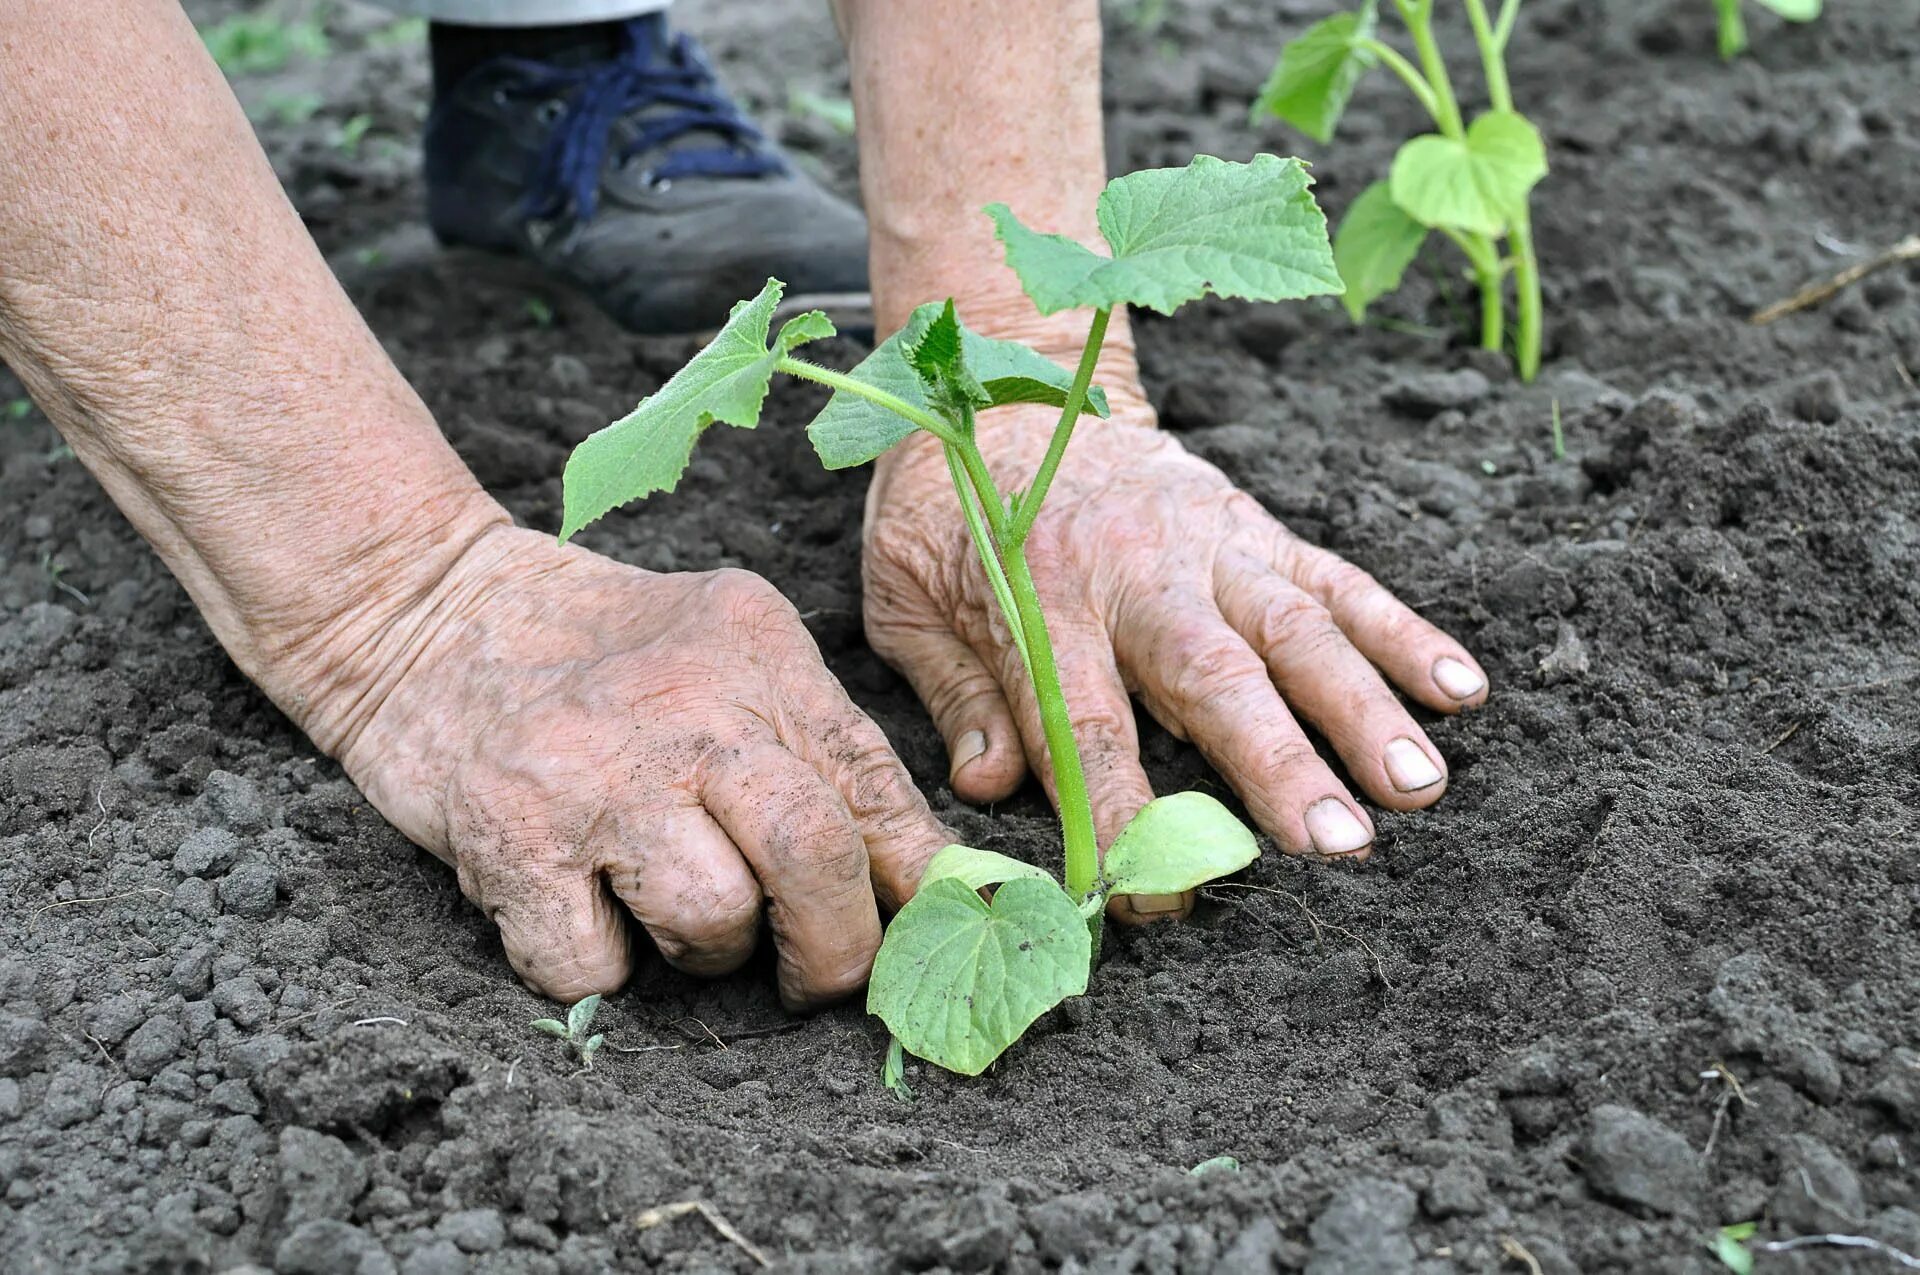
[[1813, 294], [1319, 926], [1905, 1259], [659, 1214], [1515, 1251]]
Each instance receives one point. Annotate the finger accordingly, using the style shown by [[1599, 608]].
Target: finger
[[844, 746], [1332, 685], [562, 933], [683, 879], [1199, 677], [1101, 713], [811, 862], [1420, 659], [984, 755]]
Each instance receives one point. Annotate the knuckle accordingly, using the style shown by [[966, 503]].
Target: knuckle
[[1286, 761], [1296, 623], [1203, 662]]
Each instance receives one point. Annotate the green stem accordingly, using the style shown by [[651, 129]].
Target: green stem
[[1492, 64], [1408, 73], [1446, 112], [1526, 286], [1489, 276], [1029, 508], [983, 542], [1069, 780], [873, 394], [1503, 28]]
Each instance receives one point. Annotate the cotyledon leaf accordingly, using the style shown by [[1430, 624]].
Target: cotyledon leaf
[[1176, 234], [1175, 843], [648, 449], [958, 979], [1475, 184], [851, 430]]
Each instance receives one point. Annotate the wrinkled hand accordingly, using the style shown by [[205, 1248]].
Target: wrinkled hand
[[581, 738], [1160, 578]]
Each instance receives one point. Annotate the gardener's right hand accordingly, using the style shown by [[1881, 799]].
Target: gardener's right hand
[[581, 738]]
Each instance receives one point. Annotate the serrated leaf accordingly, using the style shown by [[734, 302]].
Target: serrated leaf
[[958, 980], [648, 449], [851, 431], [939, 358], [1475, 184], [1793, 10], [551, 1026], [1176, 234], [1176, 843], [1317, 71], [978, 868], [581, 1015], [1375, 244]]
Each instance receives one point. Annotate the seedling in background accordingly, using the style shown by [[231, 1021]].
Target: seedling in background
[[1469, 181], [574, 1030], [258, 43], [959, 979], [1733, 27]]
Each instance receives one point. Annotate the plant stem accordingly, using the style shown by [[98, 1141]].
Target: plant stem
[[873, 394], [1407, 72], [1526, 268], [1446, 112], [1492, 63], [989, 556], [1488, 275], [1029, 507], [1069, 780]]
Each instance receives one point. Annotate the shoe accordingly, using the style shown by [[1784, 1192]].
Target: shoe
[[636, 180]]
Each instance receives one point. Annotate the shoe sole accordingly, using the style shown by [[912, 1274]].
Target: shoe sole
[[413, 250]]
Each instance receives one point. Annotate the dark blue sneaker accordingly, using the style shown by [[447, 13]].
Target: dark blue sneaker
[[635, 179]]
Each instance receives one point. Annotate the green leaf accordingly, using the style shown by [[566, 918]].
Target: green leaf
[[648, 449], [959, 980], [939, 358], [1730, 1247], [1218, 1164], [977, 868], [1793, 10], [551, 1026], [1374, 246], [1473, 185], [893, 1072], [852, 431], [1235, 230], [581, 1015], [1176, 843], [1316, 73], [589, 1049]]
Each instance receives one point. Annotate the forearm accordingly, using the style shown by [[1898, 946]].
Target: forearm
[[162, 301], [962, 105]]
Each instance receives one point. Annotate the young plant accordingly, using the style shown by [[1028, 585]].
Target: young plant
[[958, 978], [574, 1030], [1470, 180], [1733, 27]]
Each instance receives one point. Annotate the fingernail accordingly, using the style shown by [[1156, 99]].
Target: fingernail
[[1456, 679], [1156, 904], [967, 748], [1409, 767], [1336, 829]]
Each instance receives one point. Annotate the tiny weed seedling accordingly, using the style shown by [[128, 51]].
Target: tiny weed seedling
[[1733, 27], [574, 1030], [1729, 1244], [1469, 181], [958, 979], [258, 43]]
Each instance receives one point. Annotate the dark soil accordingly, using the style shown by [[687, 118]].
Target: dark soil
[[244, 1021]]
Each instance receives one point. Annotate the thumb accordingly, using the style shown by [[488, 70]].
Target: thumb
[[985, 759]]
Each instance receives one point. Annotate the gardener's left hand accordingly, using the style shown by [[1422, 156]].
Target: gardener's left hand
[[1159, 577]]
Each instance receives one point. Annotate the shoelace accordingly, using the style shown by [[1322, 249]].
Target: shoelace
[[650, 71]]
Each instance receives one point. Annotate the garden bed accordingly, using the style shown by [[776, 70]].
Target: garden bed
[[1651, 967]]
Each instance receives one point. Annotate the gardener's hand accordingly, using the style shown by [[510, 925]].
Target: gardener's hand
[[581, 738], [1159, 577]]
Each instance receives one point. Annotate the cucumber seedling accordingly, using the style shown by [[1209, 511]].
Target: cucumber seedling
[[1733, 27], [574, 1032], [958, 978], [1470, 181]]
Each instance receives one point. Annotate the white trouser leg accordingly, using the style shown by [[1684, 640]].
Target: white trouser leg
[[523, 13]]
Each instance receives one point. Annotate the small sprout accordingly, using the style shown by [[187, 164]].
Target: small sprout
[[893, 1072], [1218, 1164], [19, 409], [960, 977], [574, 1030], [1559, 437], [1733, 27], [834, 112], [347, 141], [258, 43], [539, 311], [1471, 180], [1730, 1246]]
